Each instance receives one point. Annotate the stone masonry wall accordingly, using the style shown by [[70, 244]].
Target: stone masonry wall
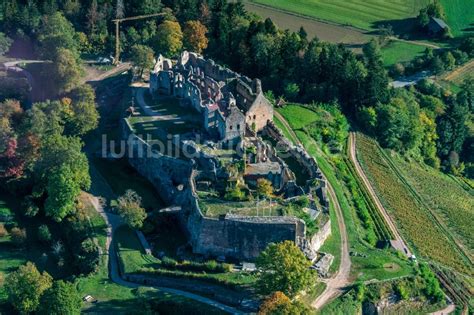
[[231, 236]]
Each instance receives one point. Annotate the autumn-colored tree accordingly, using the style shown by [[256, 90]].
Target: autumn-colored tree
[[169, 38], [273, 302], [278, 303], [195, 36], [264, 188]]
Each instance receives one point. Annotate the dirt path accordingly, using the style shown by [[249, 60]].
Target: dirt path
[[336, 284], [415, 42], [398, 242], [113, 222]]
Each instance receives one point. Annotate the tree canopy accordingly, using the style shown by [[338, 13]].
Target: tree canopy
[[26, 286], [130, 209], [169, 38], [283, 267], [62, 298]]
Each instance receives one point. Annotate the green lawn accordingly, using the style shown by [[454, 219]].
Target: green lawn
[[116, 299], [396, 51], [460, 16], [285, 130], [131, 253], [298, 116], [332, 245], [359, 13]]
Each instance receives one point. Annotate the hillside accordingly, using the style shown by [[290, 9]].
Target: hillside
[[415, 220]]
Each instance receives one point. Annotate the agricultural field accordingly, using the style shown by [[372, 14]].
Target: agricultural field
[[460, 74], [397, 51], [364, 14], [455, 205], [416, 223], [460, 16], [324, 31]]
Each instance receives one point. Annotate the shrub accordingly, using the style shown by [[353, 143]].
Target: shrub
[[211, 265], [44, 235], [169, 262], [18, 236], [3, 230], [30, 209]]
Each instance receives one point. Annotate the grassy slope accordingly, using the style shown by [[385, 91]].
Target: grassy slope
[[460, 16], [415, 222], [397, 51], [131, 253], [358, 13], [370, 264]]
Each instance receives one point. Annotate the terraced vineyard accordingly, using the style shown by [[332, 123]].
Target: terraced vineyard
[[415, 221], [359, 13], [452, 203]]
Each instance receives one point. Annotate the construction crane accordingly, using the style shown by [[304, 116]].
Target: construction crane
[[117, 31]]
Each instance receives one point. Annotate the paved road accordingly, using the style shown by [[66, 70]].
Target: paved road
[[398, 242], [336, 284]]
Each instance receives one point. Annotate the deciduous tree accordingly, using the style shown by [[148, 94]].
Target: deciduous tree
[[62, 298], [283, 267], [26, 286], [195, 36], [169, 38], [142, 57], [130, 209]]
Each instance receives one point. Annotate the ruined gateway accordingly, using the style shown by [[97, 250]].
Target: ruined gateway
[[235, 113]]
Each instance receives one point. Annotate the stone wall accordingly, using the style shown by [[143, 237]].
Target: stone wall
[[231, 236]]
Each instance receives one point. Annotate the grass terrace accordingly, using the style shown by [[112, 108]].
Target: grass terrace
[[121, 177], [169, 117]]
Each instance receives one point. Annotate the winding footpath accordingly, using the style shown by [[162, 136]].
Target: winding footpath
[[341, 279], [113, 222]]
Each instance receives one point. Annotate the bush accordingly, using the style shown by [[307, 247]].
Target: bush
[[44, 235], [30, 209], [18, 236], [3, 230], [169, 262]]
